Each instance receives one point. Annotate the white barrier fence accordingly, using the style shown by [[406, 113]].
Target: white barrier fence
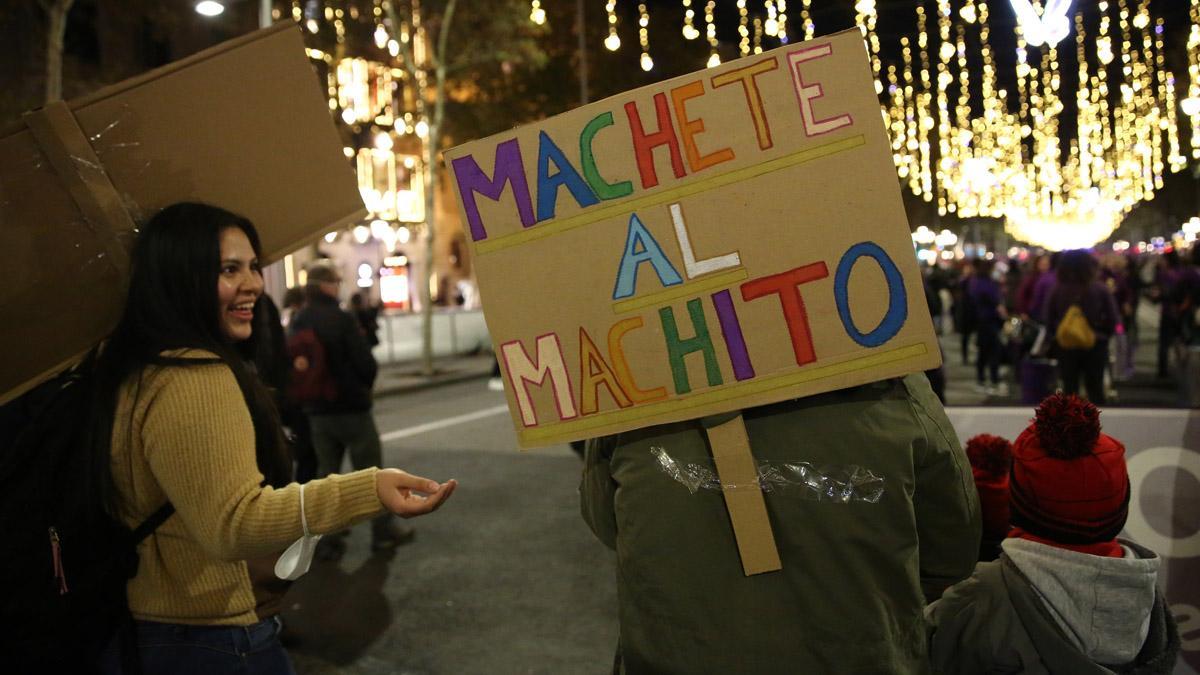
[[1163, 452], [455, 331]]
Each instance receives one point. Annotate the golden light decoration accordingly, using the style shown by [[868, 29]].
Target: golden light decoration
[[771, 24], [1014, 163], [710, 31], [536, 13], [644, 36], [1191, 104], [689, 21], [743, 28], [613, 41]]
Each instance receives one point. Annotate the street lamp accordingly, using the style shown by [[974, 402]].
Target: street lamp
[[209, 8]]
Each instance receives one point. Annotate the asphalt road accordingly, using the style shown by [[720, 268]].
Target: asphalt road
[[505, 578]]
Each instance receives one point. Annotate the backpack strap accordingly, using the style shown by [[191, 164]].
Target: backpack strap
[[151, 524]]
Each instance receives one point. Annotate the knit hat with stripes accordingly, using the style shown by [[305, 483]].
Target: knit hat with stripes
[[1069, 483]]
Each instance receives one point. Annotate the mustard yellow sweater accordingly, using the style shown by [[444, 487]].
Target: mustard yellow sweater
[[184, 434]]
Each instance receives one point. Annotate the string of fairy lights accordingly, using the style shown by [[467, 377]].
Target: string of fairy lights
[[973, 147], [363, 94], [1061, 156]]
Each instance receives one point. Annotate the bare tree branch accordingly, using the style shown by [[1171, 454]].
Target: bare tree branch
[[443, 38], [407, 58], [56, 13]]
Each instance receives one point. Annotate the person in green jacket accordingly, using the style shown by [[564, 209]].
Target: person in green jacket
[[874, 513]]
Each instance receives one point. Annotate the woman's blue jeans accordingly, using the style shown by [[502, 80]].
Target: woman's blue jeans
[[178, 649]]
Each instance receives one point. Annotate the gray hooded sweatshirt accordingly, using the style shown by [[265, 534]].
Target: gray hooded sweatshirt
[[1042, 609]]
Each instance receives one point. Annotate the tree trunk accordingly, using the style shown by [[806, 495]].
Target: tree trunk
[[430, 180], [432, 142], [56, 14]]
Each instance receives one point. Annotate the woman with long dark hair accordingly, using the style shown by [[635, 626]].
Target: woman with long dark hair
[[181, 417], [1077, 286]]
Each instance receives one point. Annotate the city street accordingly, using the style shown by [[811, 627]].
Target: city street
[[506, 578]]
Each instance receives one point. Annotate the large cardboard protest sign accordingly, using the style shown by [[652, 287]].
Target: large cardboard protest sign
[[721, 240], [244, 126]]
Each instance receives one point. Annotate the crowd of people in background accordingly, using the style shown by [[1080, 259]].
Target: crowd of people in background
[[1012, 312]]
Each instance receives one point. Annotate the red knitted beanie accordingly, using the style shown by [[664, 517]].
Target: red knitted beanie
[[1069, 481], [991, 455]]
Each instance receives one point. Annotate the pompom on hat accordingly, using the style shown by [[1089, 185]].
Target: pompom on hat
[[990, 455], [1069, 482]]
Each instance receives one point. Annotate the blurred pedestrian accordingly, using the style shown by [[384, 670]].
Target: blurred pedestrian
[[185, 421], [990, 314], [342, 422], [293, 302], [1042, 288], [1079, 292], [964, 310], [933, 299], [1035, 268], [279, 376], [367, 316], [1114, 274], [857, 570], [1168, 274]]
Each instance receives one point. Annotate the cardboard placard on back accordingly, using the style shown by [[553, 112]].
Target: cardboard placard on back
[[718, 241], [243, 126]]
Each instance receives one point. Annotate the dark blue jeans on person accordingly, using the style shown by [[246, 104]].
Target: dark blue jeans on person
[[988, 340], [178, 649], [1088, 365]]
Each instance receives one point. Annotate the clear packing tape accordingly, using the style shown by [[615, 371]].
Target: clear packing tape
[[838, 484]]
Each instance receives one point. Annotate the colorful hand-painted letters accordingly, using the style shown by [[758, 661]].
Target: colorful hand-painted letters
[[714, 242]]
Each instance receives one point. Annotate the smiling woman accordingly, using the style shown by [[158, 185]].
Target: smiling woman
[[181, 418], [239, 285]]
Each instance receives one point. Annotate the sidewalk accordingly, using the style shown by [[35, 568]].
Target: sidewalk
[[401, 378]]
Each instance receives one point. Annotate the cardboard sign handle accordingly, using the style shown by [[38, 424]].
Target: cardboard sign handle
[[743, 496], [71, 155]]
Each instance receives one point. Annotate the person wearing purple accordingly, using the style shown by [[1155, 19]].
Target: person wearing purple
[[1042, 288], [1167, 278], [1035, 269], [1077, 285], [988, 301]]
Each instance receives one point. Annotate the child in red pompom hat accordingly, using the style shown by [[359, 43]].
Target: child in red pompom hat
[[991, 457], [1065, 595]]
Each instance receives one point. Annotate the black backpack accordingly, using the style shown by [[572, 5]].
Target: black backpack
[[66, 561]]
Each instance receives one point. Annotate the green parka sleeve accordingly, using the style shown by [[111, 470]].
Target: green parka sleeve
[[597, 490], [959, 641], [945, 501]]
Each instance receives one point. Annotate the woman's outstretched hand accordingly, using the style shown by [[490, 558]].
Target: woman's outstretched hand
[[407, 495]]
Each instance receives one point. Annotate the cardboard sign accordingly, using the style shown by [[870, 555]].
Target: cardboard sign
[[718, 241], [243, 126]]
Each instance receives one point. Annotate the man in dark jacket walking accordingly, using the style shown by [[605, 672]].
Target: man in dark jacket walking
[[344, 422]]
